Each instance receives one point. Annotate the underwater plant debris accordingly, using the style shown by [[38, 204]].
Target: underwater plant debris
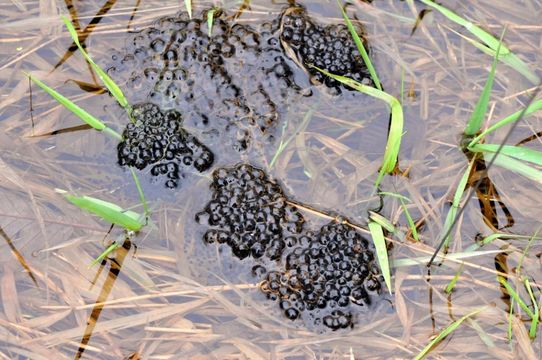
[[157, 139], [322, 276]]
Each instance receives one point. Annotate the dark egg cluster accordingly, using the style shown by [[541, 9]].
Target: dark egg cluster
[[327, 47], [323, 276], [249, 213], [327, 274], [157, 139], [234, 82]]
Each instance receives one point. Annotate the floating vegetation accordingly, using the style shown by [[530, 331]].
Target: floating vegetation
[[322, 276]]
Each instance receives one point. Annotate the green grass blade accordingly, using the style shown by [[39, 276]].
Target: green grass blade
[[526, 250], [517, 152], [402, 199], [381, 252], [108, 82], [536, 314], [450, 218], [382, 221], [535, 106], [284, 144], [395, 195], [509, 58], [451, 285], [514, 165], [361, 48], [107, 251], [410, 221], [188, 5], [447, 331], [513, 294], [475, 122], [455, 256], [210, 18], [510, 320], [490, 238], [79, 112], [108, 211], [493, 43], [396, 129], [140, 192]]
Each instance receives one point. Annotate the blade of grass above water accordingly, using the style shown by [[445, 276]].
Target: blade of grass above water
[[383, 222], [110, 212], [361, 48], [507, 56], [490, 238], [517, 152], [284, 144], [536, 314], [447, 331], [410, 221], [450, 218], [402, 199], [451, 284], [210, 18], [396, 128], [113, 88], [79, 112], [381, 251], [514, 165], [535, 106], [188, 5], [114, 246], [513, 294], [455, 256], [512, 61], [140, 192], [475, 122]]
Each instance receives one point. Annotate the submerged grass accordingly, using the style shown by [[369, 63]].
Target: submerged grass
[[78, 111], [451, 284], [475, 122], [381, 251], [188, 6], [447, 331], [167, 261], [110, 212], [395, 133], [410, 221], [490, 44], [535, 106], [361, 48], [113, 88], [452, 214], [210, 19], [128, 220]]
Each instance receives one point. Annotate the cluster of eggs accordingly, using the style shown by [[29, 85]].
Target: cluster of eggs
[[325, 275], [157, 139], [328, 47]]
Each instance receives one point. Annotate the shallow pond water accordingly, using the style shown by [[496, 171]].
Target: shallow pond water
[[173, 296]]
